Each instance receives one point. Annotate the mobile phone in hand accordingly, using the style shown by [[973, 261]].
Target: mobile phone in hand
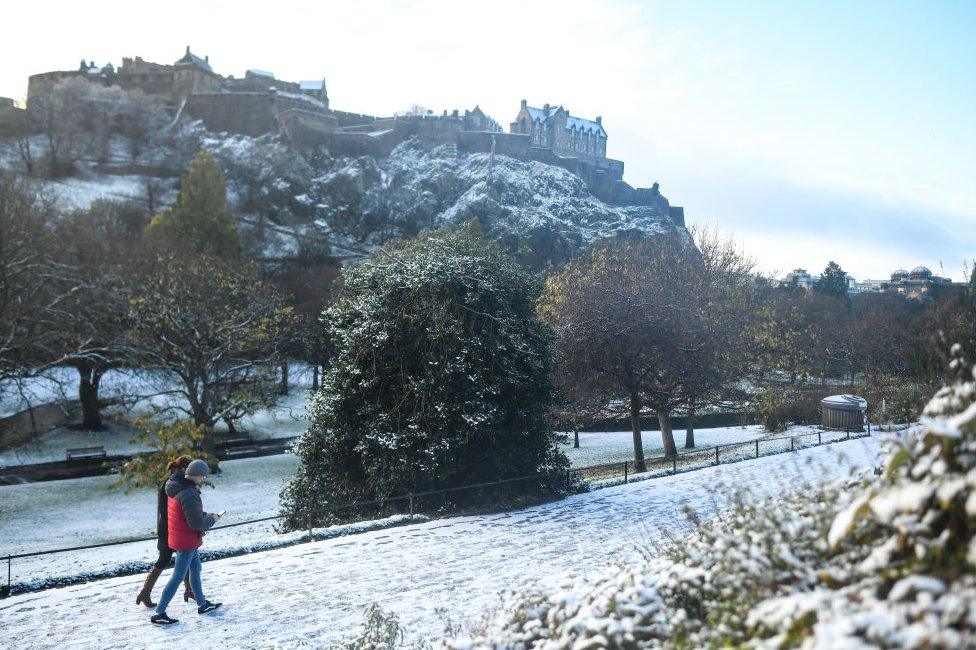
[[221, 513]]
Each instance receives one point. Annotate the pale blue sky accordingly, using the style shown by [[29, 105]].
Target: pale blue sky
[[809, 131]]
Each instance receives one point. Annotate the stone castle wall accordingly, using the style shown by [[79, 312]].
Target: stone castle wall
[[254, 113], [515, 145], [246, 113]]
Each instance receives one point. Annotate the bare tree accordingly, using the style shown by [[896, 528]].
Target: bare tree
[[718, 350], [99, 245], [33, 285], [62, 116], [16, 126], [615, 312], [217, 328]]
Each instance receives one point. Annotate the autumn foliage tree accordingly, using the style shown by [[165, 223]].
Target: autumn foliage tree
[[168, 441], [613, 311], [717, 350]]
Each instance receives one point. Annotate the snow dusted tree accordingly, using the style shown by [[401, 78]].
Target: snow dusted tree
[[140, 117], [441, 378], [199, 222], [75, 119], [99, 248], [618, 312], [33, 284], [717, 333], [219, 329]]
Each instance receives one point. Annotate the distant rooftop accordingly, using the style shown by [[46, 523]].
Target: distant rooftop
[[572, 122], [190, 57], [581, 124], [311, 84], [261, 73]]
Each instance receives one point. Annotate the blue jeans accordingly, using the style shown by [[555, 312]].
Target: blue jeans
[[185, 561]]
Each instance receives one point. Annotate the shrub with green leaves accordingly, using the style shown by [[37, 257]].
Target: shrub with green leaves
[[170, 440], [441, 378]]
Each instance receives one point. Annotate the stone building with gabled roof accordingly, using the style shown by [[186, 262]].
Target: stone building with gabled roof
[[552, 127], [189, 58], [193, 75]]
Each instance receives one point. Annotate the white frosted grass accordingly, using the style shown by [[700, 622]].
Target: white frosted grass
[[315, 594]]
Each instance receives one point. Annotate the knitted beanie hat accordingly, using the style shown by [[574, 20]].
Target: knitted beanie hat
[[197, 468]]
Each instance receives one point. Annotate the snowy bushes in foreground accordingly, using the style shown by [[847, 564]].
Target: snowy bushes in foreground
[[885, 560]]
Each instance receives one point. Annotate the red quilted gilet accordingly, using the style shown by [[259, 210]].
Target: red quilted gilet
[[181, 537]]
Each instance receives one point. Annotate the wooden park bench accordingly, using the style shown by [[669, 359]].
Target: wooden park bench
[[240, 450], [234, 441], [86, 453]]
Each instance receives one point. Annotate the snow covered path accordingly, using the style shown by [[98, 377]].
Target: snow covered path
[[316, 593]]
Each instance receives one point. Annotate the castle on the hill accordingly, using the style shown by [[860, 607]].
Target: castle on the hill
[[258, 103]]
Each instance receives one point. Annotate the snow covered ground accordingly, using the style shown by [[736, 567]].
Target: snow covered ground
[[287, 418], [74, 512], [56, 514], [316, 593]]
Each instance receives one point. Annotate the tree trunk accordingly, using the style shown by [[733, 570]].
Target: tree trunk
[[88, 380], [197, 408], [575, 438], [690, 431], [283, 388], [315, 376], [635, 426], [664, 419]]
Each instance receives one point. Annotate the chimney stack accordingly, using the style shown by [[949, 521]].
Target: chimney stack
[[524, 103], [599, 120]]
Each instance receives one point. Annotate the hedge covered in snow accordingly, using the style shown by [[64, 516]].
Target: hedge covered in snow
[[883, 560]]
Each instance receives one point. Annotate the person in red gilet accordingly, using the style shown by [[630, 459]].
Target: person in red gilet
[[186, 524]]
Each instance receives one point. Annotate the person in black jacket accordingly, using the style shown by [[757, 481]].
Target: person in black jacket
[[162, 532]]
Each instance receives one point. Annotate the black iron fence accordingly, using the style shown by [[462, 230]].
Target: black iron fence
[[431, 501], [701, 457]]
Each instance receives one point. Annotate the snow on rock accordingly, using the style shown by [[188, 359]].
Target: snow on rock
[[518, 203], [541, 213]]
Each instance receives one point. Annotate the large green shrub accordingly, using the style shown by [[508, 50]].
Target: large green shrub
[[441, 378]]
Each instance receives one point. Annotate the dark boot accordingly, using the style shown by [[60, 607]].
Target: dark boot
[[187, 590], [144, 597]]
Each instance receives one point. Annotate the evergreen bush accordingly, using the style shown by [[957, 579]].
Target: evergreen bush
[[441, 378]]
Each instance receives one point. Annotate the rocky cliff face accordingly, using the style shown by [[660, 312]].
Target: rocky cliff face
[[542, 213], [289, 202]]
